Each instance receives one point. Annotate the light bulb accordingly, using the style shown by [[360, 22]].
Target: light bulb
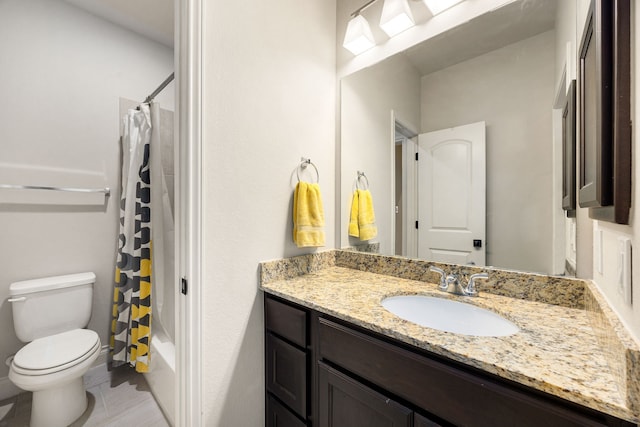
[[437, 6], [358, 37], [396, 17]]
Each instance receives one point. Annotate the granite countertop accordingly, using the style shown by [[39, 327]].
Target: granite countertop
[[556, 350]]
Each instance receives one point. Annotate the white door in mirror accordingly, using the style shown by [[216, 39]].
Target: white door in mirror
[[452, 195]]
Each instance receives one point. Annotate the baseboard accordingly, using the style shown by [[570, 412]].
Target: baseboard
[[103, 357]]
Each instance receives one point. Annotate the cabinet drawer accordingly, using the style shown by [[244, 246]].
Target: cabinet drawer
[[287, 374], [279, 416], [449, 393], [346, 402], [286, 321]]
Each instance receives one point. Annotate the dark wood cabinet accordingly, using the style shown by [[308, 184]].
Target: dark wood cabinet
[[604, 86], [420, 421], [287, 365], [460, 397], [569, 152], [280, 416], [344, 402], [287, 374], [286, 321], [346, 376]]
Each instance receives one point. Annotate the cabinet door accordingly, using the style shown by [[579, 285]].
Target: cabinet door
[[345, 402], [287, 374], [279, 416], [420, 421]]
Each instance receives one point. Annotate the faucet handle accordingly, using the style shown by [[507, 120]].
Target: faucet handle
[[443, 283], [471, 287]]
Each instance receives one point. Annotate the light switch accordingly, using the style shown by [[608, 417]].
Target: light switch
[[624, 268]]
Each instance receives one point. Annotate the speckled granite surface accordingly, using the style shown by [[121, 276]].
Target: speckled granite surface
[[372, 248], [534, 287], [579, 354], [620, 349]]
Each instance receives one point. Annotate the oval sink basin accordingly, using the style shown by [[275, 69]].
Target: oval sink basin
[[449, 316]]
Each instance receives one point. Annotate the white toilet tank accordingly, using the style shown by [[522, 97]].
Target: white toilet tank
[[51, 305]]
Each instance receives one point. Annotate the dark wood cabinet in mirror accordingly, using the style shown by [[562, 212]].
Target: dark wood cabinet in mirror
[[604, 111], [569, 152]]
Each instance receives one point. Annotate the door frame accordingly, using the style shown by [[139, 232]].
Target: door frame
[[409, 186], [188, 64]]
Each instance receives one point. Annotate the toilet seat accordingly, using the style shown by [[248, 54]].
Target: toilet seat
[[56, 353]]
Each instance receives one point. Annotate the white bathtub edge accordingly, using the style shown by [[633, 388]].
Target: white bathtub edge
[[161, 376]]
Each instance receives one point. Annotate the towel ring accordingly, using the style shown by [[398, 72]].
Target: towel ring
[[362, 175], [303, 165]]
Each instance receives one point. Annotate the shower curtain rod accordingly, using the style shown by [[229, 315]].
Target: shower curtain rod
[[159, 89]]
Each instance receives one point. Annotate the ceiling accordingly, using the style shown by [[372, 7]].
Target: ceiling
[[151, 18], [509, 24]]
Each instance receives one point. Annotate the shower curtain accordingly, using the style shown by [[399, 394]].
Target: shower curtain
[[131, 324]]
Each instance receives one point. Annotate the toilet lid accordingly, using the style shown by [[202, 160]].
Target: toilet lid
[[56, 350]]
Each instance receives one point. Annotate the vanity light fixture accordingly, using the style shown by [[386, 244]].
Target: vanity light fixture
[[359, 36], [396, 17], [438, 6]]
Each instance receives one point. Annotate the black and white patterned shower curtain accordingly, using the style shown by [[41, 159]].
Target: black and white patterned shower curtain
[[131, 324]]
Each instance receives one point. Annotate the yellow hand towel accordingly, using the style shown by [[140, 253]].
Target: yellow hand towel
[[353, 217], [308, 215], [362, 220], [366, 216]]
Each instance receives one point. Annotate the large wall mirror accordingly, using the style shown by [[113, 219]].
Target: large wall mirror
[[498, 80]]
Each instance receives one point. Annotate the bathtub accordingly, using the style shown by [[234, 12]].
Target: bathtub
[[162, 373]]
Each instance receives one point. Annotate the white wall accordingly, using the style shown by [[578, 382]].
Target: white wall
[[512, 90], [63, 72], [367, 99], [565, 34], [269, 98]]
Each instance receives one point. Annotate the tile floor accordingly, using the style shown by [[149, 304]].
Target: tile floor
[[117, 398]]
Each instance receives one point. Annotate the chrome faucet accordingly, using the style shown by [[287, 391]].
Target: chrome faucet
[[450, 283], [443, 282], [471, 286]]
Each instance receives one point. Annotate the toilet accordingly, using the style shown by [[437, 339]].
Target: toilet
[[49, 314]]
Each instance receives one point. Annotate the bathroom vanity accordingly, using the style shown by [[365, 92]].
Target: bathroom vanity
[[335, 357]]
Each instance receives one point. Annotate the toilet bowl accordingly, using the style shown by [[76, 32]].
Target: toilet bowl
[[52, 368], [50, 314]]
